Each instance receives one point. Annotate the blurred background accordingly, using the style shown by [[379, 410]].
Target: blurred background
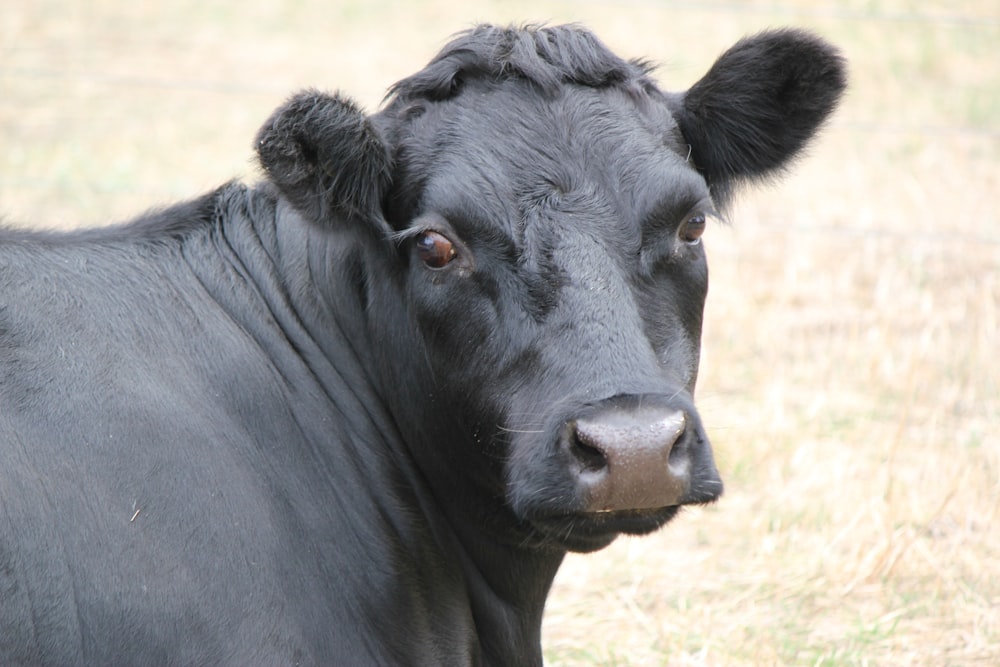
[[851, 370]]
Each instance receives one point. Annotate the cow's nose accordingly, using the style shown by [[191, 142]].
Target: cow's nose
[[631, 458]]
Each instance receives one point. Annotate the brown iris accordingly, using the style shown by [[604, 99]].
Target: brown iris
[[435, 250], [692, 229]]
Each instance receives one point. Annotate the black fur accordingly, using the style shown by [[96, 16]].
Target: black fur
[[258, 428], [547, 57], [758, 105], [324, 143]]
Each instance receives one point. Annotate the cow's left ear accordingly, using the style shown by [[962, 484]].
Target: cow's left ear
[[758, 105], [325, 157]]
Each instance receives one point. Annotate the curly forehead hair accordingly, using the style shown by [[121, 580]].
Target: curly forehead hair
[[546, 56]]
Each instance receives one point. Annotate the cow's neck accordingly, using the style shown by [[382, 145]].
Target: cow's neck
[[506, 575], [508, 586], [504, 583]]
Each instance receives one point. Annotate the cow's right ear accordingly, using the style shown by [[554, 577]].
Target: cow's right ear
[[325, 157]]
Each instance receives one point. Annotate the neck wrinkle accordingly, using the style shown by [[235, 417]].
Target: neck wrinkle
[[508, 585], [307, 271]]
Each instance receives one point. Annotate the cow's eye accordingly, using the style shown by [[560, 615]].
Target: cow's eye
[[435, 250], [692, 229]]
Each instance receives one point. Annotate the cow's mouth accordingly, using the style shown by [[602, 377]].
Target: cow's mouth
[[620, 465], [590, 531]]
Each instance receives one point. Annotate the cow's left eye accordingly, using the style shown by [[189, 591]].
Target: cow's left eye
[[435, 250], [692, 229]]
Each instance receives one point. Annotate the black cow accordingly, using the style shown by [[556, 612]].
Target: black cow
[[358, 413]]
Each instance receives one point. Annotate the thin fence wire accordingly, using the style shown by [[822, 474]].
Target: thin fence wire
[[99, 79], [837, 13], [240, 88]]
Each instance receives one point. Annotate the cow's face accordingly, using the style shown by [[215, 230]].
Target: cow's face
[[549, 263], [557, 275]]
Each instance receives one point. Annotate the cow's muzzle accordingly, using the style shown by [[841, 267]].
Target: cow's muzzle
[[640, 452]]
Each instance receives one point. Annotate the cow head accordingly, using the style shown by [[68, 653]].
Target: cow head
[[539, 206]]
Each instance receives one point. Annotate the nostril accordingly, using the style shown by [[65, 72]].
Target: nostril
[[679, 450], [587, 450], [630, 456]]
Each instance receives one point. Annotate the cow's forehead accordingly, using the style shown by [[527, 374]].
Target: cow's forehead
[[505, 152]]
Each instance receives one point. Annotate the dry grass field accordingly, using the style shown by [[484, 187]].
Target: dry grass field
[[851, 372]]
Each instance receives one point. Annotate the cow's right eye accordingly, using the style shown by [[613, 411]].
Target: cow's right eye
[[435, 250]]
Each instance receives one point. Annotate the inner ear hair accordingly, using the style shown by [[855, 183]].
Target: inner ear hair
[[759, 105], [325, 156]]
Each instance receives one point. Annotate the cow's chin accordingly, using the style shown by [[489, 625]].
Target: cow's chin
[[590, 531]]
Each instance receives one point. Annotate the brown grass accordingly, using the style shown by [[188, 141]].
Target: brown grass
[[851, 374]]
